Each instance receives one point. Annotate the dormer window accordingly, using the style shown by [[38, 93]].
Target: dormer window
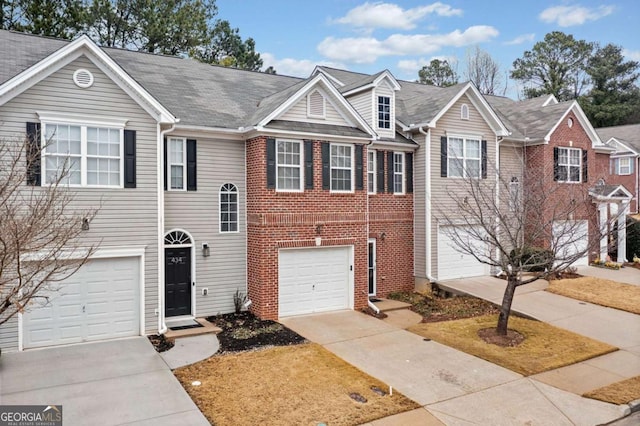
[[316, 105], [384, 112], [464, 112]]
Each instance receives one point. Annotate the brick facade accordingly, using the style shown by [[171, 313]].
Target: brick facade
[[277, 220], [540, 168]]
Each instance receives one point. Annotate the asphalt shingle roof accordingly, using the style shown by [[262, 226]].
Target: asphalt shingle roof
[[628, 134]]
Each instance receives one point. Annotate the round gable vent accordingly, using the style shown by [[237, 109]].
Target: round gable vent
[[83, 78]]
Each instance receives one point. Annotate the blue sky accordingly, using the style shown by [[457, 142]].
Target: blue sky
[[403, 35]]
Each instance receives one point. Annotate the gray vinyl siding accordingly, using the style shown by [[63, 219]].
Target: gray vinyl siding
[[384, 90], [298, 112], [511, 165], [126, 217], [197, 212], [451, 124], [363, 102]]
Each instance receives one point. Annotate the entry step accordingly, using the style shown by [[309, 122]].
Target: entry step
[[206, 327], [386, 305]]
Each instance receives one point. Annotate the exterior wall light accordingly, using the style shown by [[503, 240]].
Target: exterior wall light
[[206, 252]]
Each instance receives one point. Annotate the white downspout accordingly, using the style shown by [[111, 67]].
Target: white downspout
[[427, 200], [162, 327]]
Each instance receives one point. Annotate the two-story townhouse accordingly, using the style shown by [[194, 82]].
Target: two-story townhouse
[[560, 153], [625, 158], [224, 181]]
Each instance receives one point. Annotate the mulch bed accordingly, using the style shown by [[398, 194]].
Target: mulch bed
[[512, 339], [564, 275], [161, 343], [244, 331], [434, 308], [632, 265], [373, 313]]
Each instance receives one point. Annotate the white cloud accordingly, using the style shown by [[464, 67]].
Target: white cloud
[[294, 67], [412, 66], [633, 55], [389, 15], [524, 38], [366, 50], [568, 16]]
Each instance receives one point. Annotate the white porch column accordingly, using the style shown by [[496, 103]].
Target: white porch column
[[623, 210], [603, 210]]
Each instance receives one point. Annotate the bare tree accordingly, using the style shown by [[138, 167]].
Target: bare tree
[[39, 231], [524, 226], [484, 72]]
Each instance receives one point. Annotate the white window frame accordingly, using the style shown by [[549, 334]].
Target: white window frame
[[372, 168], [177, 162], [627, 167], [299, 166], [332, 168], [401, 173], [324, 105], [464, 158], [78, 121], [378, 120], [228, 192], [568, 165]]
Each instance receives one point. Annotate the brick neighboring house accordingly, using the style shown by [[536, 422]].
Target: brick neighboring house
[[308, 194]]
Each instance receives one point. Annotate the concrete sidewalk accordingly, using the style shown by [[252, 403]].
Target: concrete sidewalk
[[618, 328], [454, 388], [624, 275]]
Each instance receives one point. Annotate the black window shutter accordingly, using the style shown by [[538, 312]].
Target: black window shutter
[[556, 169], [308, 164], [33, 154], [484, 159], [380, 171], [443, 156], [165, 172], [271, 163], [408, 159], [192, 165], [326, 162], [359, 168], [390, 171], [585, 167], [129, 158]]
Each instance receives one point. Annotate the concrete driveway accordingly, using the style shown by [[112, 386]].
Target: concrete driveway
[[105, 383], [453, 387]]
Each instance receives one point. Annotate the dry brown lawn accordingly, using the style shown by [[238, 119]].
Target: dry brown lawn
[[602, 292], [545, 347], [302, 385], [618, 393]]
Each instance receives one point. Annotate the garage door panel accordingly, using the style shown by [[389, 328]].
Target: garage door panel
[[453, 264], [313, 280], [90, 305]]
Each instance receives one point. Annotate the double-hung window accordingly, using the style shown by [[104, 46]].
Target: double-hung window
[[371, 171], [177, 164], [228, 208], [398, 173], [289, 165], [384, 112], [624, 166], [84, 155], [341, 168], [464, 157], [569, 164]]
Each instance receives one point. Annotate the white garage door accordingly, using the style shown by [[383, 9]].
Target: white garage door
[[453, 264], [572, 237], [100, 301], [313, 280]]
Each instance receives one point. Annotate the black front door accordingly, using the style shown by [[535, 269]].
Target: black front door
[[177, 281]]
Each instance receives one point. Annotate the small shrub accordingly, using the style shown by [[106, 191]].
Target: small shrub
[[633, 238], [239, 299], [534, 259]]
